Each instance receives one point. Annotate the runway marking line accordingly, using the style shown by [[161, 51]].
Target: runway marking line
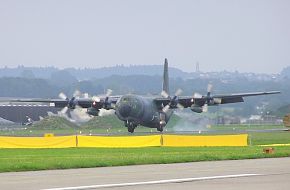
[[182, 180]]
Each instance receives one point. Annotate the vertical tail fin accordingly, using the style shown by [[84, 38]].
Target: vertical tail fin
[[165, 84]]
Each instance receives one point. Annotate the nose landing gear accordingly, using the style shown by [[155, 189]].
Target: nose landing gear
[[131, 126]]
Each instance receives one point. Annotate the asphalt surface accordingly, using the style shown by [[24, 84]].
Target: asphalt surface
[[238, 174]]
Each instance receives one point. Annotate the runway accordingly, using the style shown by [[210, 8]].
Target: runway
[[263, 174]]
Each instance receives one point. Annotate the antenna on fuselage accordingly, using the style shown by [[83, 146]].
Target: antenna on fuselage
[[165, 84]]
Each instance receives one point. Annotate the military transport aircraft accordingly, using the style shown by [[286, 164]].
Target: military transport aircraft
[[152, 112]]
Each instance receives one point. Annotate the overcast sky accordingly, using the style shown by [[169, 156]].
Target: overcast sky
[[244, 35]]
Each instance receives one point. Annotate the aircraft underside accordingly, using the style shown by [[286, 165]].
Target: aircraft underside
[[158, 121], [131, 125]]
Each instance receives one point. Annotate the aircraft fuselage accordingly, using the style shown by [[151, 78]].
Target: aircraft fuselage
[[139, 110]]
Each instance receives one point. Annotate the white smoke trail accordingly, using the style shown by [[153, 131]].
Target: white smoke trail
[[192, 122]]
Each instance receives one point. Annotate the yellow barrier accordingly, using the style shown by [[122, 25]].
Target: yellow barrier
[[117, 142], [126, 142], [218, 140], [38, 142]]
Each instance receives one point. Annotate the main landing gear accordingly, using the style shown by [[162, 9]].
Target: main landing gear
[[162, 122], [131, 126], [161, 126]]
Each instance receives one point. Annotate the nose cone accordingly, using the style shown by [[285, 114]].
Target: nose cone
[[125, 110]]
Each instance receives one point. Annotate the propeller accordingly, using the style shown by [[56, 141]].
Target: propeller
[[209, 100], [78, 113], [62, 96], [71, 103], [106, 103], [173, 101], [72, 111]]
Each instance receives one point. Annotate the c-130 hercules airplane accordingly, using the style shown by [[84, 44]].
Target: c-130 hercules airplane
[[152, 112]]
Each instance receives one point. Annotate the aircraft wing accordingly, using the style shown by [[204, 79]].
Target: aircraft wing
[[188, 101], [82, 102], [234, 98], [56, 102]]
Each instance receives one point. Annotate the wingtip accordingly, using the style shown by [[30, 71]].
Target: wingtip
[[273, 92]]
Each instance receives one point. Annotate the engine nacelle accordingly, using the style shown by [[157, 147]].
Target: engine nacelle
[[93, 111], [196, 108]]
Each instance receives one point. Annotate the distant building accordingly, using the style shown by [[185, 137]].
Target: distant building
[[20, 113], [226, 120], [263, 119]]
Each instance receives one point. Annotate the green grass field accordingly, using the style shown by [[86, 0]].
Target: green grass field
[[43, 159], [269, 138]]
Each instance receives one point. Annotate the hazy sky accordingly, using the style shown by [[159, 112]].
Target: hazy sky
[[244, 35]]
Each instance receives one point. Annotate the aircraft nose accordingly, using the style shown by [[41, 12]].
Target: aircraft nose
[[125, 110]]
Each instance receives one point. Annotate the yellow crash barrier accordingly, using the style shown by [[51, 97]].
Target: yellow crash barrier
[[123, 141], [218, 140], [117, 142], [38, 142]]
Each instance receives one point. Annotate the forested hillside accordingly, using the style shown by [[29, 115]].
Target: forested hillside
[[31, 85]]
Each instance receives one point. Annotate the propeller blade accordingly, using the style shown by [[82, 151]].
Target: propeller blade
[[96, 98], [86, 95], [166, 108], [77, 93], [205, 108], [178, 92], [179, 106], [64, 110], [209, 87], [109, 92], [217, 100], [197, 96], [62, 96], [164, 94]]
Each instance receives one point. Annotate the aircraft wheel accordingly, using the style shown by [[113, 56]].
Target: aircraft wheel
[[160, 128], [131, 127], [130, 130]]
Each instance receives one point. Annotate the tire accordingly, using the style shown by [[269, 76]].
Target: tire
[[160, 128], [131, 127], [130, 130]]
